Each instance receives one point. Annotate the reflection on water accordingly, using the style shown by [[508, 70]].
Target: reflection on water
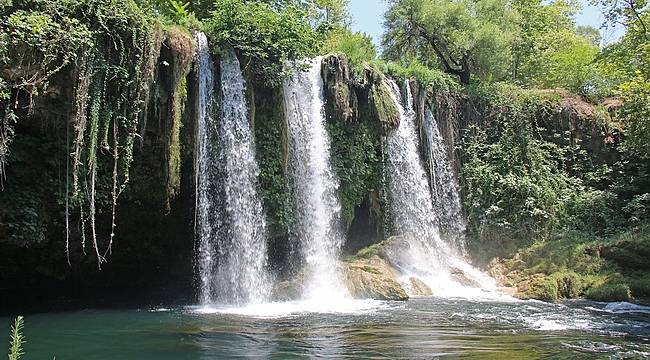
[[420, 328]]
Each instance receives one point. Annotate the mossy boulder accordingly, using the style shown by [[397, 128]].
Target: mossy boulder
[[373, 278], [382, 105], [538, 286]]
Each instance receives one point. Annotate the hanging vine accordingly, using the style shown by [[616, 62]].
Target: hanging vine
[[127, 44], [111, 49]]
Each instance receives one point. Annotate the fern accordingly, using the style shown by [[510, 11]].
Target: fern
[[179, 9], [17, 340]]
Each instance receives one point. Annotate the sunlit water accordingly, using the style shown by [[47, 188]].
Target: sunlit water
[[317, 205], [420, 328]]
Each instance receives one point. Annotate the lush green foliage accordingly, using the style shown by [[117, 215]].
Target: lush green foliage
[[527, 41], [270, 137], [512, 179], [423, 74], [550, 50], [356, 161], [113, 47], [266, 33], [466, 37], [357, 47]]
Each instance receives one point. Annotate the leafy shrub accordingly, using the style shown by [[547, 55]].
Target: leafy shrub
[[357, 47], [414, 69], [593, 211], [266, 33], [610, 291], [569, 284]]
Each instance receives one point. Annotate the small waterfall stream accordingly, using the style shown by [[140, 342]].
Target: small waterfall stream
[[318, 208], [230, 219], [444, 186], [422, 254]]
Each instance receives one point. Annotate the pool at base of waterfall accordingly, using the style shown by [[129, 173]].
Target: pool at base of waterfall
[[426, 327]]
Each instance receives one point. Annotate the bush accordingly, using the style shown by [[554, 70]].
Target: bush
[[268, 34], [569, 284], [357, 47], [593, 211], [612, 290], [640, 286]]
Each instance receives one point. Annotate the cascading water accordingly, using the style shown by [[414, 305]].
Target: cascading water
[[230, 221], [318, 207], [444, 186], [421, 253]]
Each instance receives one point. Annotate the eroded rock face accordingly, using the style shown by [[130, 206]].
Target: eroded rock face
[[419, 288], [373, 278], [381, 104], [341, 98]]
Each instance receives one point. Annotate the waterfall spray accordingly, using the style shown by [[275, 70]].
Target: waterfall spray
[[317, 205], [422, 253], [230, 219], [444, 186]]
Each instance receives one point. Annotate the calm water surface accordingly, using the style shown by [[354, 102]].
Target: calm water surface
[[420, 328]]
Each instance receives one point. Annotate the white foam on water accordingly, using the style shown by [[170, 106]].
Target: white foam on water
[[626, 307], [162, 309], [289, 308], [547, 324]]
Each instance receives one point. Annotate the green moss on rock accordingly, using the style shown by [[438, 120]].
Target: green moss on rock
[[382, 106]]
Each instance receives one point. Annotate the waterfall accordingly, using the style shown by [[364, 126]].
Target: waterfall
[[411, 206], [317, 205], [422, 253], [444, 186], [230, 220]]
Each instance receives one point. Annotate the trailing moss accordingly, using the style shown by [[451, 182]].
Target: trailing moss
[[110, 48], [382, 106], [181, 48], [271, 154], [356, 159]]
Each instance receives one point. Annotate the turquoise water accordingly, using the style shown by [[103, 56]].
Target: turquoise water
[[420, 328]]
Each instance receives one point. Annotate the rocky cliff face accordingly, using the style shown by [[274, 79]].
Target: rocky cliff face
[[154, 234]]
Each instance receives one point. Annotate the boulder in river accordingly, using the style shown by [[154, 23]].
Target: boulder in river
[[373, 278]]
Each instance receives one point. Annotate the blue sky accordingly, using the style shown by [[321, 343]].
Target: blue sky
[[368, 17]]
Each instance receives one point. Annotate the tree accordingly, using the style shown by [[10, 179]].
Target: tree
[[590, 33], [332, 12], [560, 59], [625, 12], [465, 37], [269, 34]]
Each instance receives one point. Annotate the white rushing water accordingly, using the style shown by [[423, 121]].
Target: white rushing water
[[422, 254], [317, 204], [230, 221], [444, 186]]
